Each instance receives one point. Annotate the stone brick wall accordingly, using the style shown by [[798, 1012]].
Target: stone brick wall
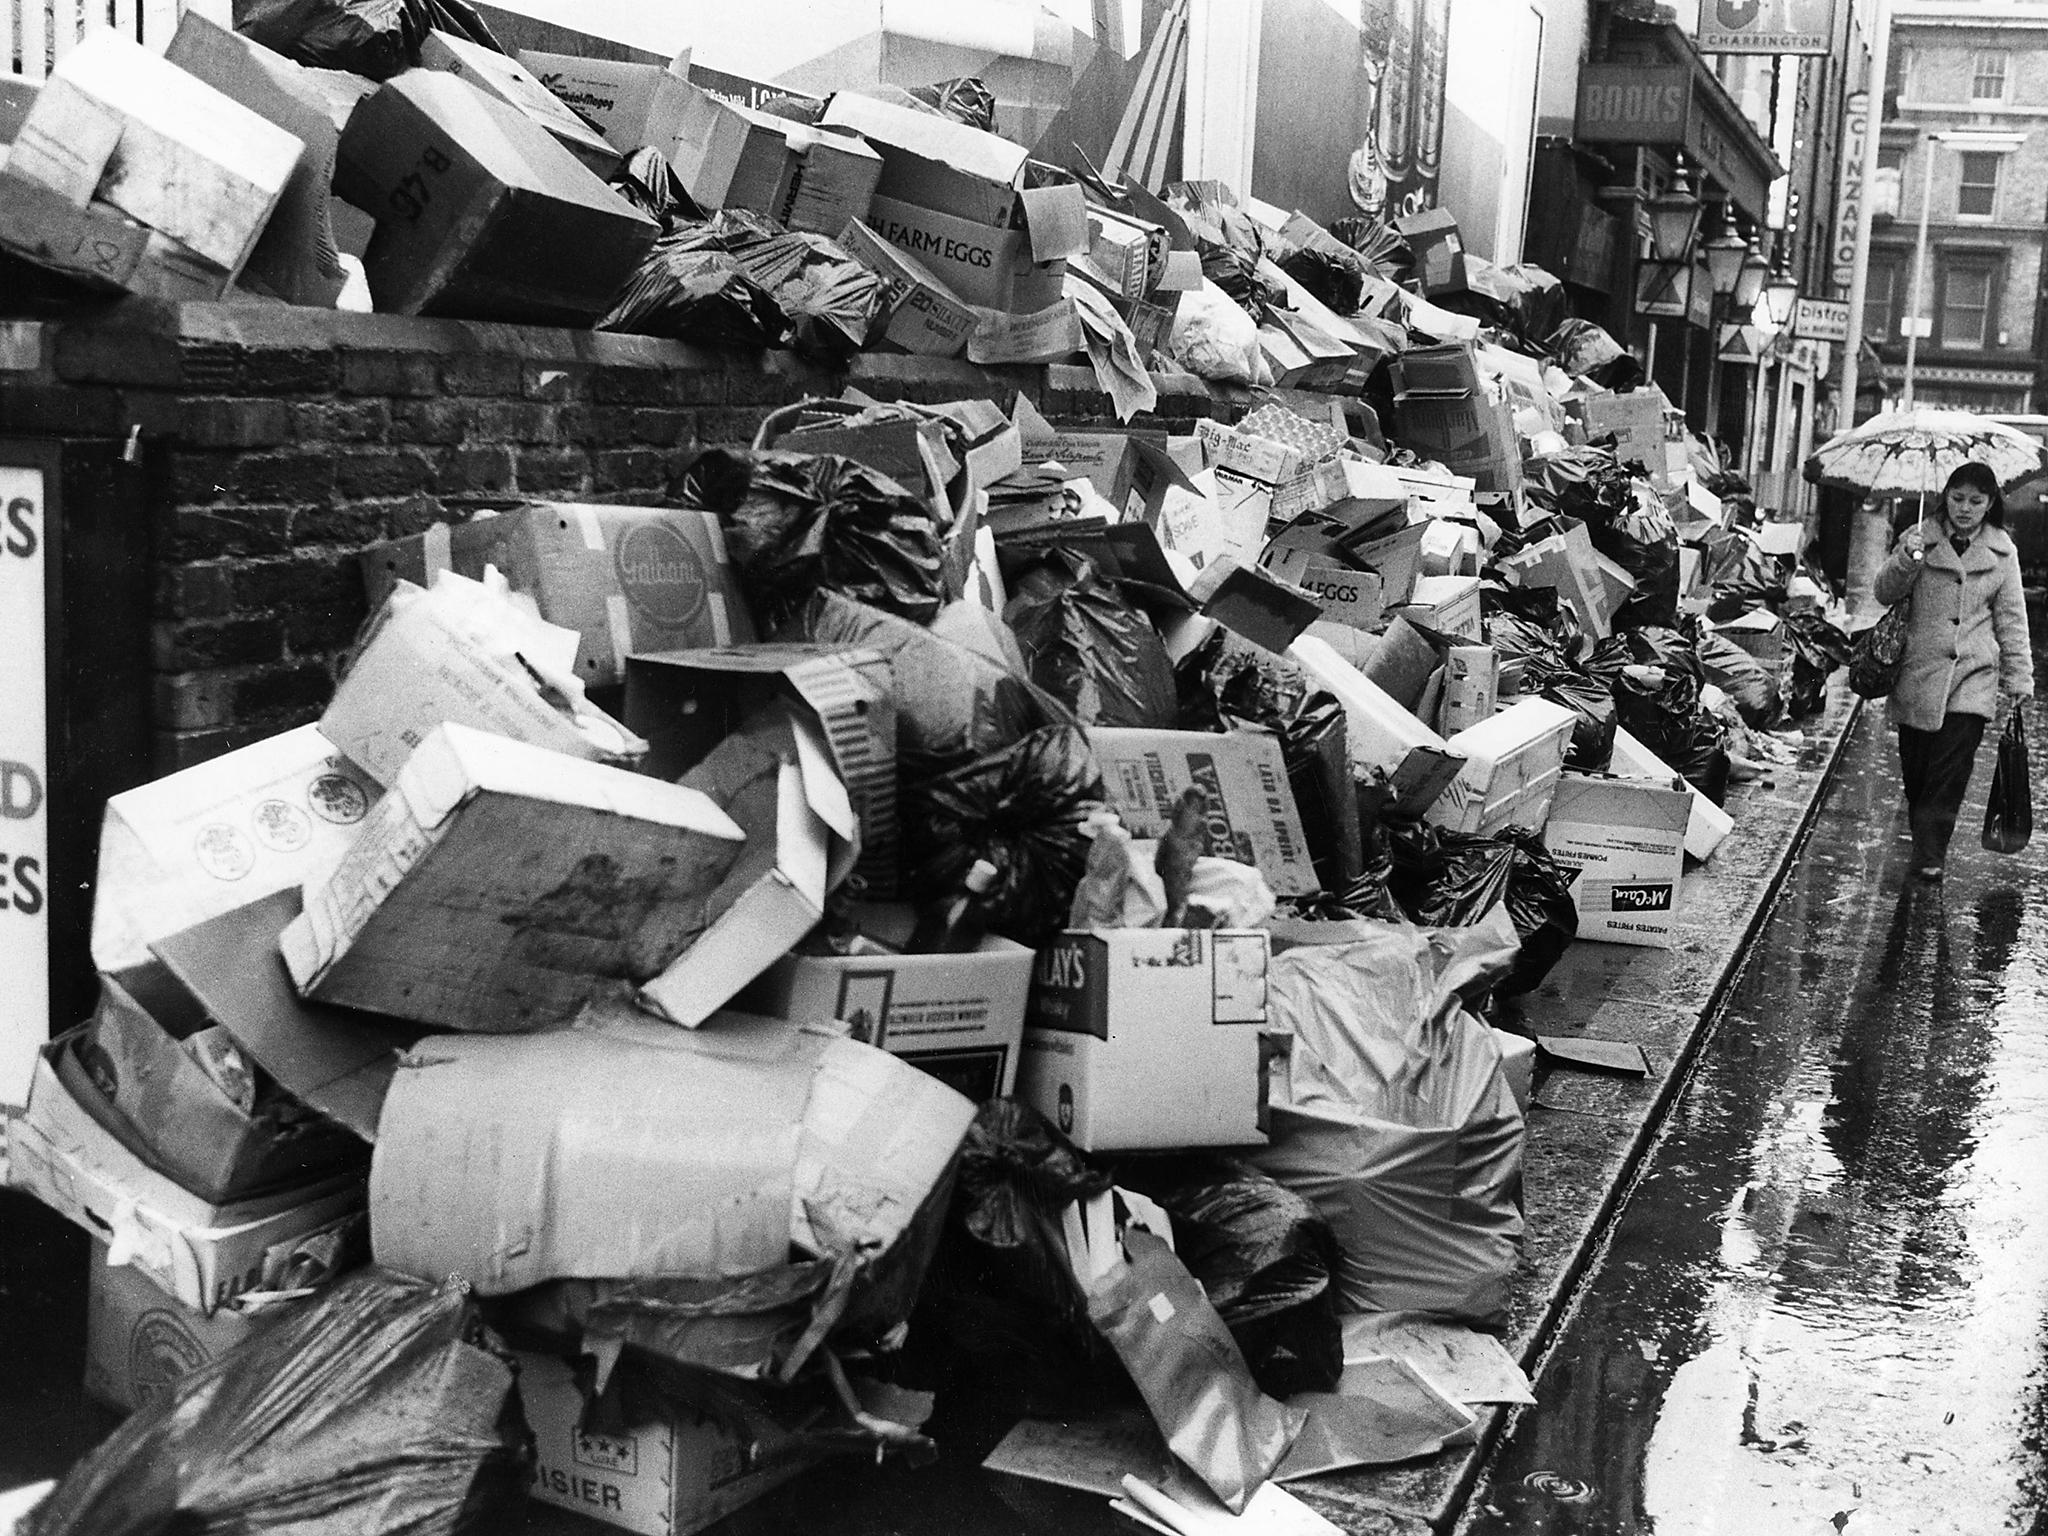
[[278, 442]]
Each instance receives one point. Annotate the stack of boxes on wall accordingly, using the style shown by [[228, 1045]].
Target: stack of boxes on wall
[[657, 871]]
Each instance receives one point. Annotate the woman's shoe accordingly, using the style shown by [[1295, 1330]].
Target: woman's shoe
[[1928, 872]]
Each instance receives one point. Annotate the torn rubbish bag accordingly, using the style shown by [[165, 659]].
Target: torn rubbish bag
[[1025, 809], [802, 523], [1189, 1370], [378, 1405], [785, 1184], [1445, 879], [1088, 647], [1393, 1116], [1266, 1258], [377, 38]]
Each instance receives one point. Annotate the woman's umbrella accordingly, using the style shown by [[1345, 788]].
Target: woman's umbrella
[[1912, 453]]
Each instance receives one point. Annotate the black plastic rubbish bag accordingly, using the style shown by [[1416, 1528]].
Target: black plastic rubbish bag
[[1592, 701], [1586, 483], [649, 183], [1642, 539], [1022, 808], [2009, 813], [1445, 879], [952, 704], [1656, 678], [1330, 279], [741, 279], [1223, 682], [1586, 351], [377, 38], [1089, 648], [799, 523], [1742, 576], [1001, 1327], [1815, 648], [1266, 1257], [1741, 676], [377, 1406]]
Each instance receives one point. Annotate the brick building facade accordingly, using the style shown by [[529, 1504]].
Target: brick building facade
[[1981, 66]]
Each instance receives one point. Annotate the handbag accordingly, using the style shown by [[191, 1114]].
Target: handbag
[[2009, 813], [1875, 658]]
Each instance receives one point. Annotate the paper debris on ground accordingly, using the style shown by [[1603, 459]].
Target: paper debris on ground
[[1470, 1366]]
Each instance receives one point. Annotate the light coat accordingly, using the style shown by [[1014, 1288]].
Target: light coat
[[1968, 633]]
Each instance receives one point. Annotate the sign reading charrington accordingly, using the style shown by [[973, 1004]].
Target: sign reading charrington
[[1766, 26]]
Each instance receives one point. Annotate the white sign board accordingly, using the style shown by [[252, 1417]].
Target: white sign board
[[24, 777], [1849, 204], [1821, 320]]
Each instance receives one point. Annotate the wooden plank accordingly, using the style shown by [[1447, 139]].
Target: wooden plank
[[35, 39], [122, 18], [159, 21], [67, 22]]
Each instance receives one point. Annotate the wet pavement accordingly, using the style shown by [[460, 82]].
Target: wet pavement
[[1824, 1306]]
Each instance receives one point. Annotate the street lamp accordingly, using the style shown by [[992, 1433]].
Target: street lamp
[[1674, 218], [1724, 255], [1781, 295], [1749, 280]]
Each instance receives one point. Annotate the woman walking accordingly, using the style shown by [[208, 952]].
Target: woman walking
[[1968, 657]]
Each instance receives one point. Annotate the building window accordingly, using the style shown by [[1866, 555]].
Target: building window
[[1966, 290], [1977, 189], [1987, 77], [1881, 301]]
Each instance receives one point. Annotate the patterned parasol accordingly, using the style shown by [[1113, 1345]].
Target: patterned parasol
[[1912, 453]]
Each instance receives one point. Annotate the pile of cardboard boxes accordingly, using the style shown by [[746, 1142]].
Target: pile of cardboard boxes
[[571, 950]]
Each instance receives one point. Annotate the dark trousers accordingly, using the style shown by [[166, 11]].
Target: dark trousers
[[1936, 766]]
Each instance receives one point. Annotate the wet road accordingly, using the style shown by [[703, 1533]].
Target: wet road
[[1824, 1307]]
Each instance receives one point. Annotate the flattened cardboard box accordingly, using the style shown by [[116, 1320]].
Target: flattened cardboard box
[[480, 213], [958, 1017], [1624, 840], [218, 835], [1148, 1038], [626, 578], [669, 1473], [499, 887], [1251, 815], [203, 1254], [1512, 763]]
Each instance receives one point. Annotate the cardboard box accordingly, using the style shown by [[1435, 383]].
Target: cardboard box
[[1625, 841], [955, 197], [958, 1017], [499, 886], [203, 1254], [1251, 816], [671, 1471], [505, 78], [134, 1072], [215, 836], [632, 105], [836, 175], [1351, 597], [1565, 561], [295, 258], [774, 777], [1449, 369], [1469, 433], [418, 666], [626, 1148], [1398, 558], [1148, 1038], [480, 213], [1447, 604], [117, 123], [1254, 603], [626, 578], [1761, 633], [1470, 689], [1708, 824], [140, 1340], [1438, 248], [1384, 738], [921, 314], [1512, 764], [686, 702]]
